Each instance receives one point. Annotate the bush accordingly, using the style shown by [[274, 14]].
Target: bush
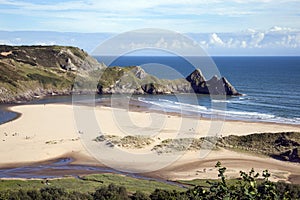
[[112, 192], [248, 187], [139, 196], [52, 193]]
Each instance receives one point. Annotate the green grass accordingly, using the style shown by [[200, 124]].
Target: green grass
[[19, 77], [185, 144], [31, 69], [277, 145], [132, 184], [69, 184], [89, 183], [120, 186], [111, 75]]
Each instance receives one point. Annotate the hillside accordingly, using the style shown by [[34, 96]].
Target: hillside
[[30, 71], [27, 72]]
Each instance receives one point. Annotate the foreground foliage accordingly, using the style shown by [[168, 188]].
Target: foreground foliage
[[248, 187]]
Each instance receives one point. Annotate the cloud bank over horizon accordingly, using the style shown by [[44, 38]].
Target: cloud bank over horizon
[[221, 27], [277, 41]]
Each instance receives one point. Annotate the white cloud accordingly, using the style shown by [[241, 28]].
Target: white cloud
[[281, 29], [244, 44], [184, 16], [46, 43], [161, 43], [215, 40], [297, 38], [5, 42], [250, 30], [252, 39], [256, 39]]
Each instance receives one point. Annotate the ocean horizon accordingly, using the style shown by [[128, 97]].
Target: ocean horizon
[[270, 85], [270, 88]]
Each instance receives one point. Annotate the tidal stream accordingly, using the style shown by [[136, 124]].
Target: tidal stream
[[63, 167]]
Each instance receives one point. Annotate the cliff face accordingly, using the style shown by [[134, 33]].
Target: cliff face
[[30, 71]]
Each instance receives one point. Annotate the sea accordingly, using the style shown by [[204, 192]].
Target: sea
[[270, 87]]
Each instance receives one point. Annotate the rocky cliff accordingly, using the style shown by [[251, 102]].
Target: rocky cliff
[[135, 80], [27, 72], [213, 86]]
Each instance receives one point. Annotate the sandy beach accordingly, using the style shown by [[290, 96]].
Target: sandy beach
[[44, 132]]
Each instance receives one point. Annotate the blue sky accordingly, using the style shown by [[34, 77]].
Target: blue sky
[[124, 15], [232, 27]]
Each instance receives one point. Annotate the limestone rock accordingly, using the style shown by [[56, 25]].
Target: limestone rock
[[214, 86], [139, 72]]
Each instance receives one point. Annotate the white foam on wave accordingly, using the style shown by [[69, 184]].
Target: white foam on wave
[[264, 105], [185, 108], [247, 101], [223, 101], [173, 104], [243, 114]]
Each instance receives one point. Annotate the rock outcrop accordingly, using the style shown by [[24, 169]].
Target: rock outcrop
[[216, 86], [135, 80]]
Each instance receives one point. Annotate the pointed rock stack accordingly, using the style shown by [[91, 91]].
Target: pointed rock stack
[[214, 86]]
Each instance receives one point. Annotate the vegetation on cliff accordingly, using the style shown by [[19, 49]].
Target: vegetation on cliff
[[32, 71], [135, 80]]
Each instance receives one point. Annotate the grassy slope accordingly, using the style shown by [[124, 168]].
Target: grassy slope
[[39, 70], [17, 74], [89, 183]]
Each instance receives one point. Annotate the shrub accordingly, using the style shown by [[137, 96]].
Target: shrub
[[112, 192]]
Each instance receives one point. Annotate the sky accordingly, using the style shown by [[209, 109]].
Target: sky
[[125, 15], [244, 27]]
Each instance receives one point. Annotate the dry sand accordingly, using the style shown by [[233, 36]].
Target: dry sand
[[44, 132]]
